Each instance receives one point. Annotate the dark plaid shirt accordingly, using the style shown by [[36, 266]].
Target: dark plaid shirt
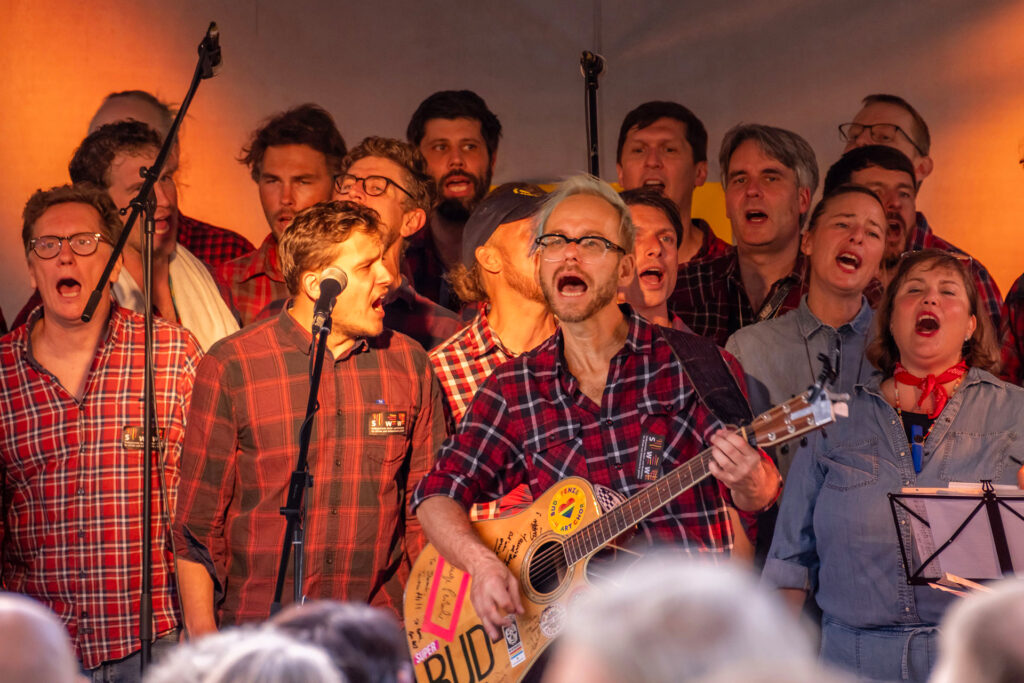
[[426, 271], [253, 285], [418, 317], [379, 424], [711, 245], [1013, 334], [531, 423], [72, 488], [711, 299], [210, 244], [922, 237]]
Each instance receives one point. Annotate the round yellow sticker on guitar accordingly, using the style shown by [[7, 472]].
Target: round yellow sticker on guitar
[[566, 509]]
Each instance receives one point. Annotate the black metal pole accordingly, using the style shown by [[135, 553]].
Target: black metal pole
[[294, 533], [591, 65]]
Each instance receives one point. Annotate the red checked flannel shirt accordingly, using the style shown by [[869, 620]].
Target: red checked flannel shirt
[[379, 424], [461, 365], [710, 297], [252, 285], [531, 423], [210, 244], [416, 316], [72, 490], [1013, 334], [425, 270], [711, 246]]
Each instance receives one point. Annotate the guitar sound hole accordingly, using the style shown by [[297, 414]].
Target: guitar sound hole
[[547, 568]]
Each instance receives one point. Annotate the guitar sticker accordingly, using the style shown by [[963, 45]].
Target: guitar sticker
[[566, 510], [552, 619], [516, 655]]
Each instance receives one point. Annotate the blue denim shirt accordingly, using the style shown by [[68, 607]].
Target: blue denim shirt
[[835, 534], [780, 358]]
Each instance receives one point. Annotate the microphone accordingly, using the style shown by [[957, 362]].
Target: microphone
[[332, 283], [210, 50], [591, 64]]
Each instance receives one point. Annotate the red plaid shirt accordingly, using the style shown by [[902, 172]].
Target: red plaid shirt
[[710, 297], [1013, 334], [210, 244], [922, 237], [418, 317], [252, 285], [462, 364], [72, 490], [375, 435], [426, 271], [531, 423], [711, 246]]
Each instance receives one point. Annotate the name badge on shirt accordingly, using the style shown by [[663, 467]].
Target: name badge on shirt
[[648, 463], [384, 423], [134, 438]]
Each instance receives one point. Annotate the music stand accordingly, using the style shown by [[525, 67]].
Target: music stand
[[979, 535]]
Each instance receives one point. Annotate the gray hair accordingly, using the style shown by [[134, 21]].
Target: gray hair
[[790, 149], [586, 184], [669, 618], [261, 655], [981, 639], [34, 645]]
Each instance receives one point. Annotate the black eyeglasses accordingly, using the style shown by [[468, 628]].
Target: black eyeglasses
[[881, 133], [590, 247], [82, 243], [373, 185]]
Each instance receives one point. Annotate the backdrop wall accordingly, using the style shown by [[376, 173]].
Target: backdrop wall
[[798, 64]]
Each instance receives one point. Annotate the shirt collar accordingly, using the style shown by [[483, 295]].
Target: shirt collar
[[291, 333], [639, 338], [808, 323], [264, 261], [481, 336]]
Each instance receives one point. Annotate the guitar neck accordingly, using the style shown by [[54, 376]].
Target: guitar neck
[[639, 507], [781, 423]]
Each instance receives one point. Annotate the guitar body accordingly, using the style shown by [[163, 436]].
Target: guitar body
[[446, 637]]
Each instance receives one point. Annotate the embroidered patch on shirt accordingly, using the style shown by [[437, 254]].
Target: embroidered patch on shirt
[[383, 423], [648, 462], [134, 438]]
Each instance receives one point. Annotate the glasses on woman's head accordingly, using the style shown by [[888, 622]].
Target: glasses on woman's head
[[373, 185], [82, 243], [590, 248], [880, 133]]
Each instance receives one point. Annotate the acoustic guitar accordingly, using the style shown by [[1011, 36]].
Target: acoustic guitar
[[548, 546]]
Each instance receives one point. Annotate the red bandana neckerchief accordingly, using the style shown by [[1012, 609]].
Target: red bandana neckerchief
[[931, 384]]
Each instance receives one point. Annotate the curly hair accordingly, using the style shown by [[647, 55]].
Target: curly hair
[[308, 124], [314, 237], [419, 184], [93, 158], [83, 193]]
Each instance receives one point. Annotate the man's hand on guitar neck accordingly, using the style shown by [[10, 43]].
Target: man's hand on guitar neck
[[495, 590], [752, 478]]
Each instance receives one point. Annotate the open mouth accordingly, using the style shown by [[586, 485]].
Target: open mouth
[[654, 184], [651, 278], [848, 261], [378, 306], [285, 219], [457, 186], [69, 287], [571, 285], [756, 216], [927, 324]]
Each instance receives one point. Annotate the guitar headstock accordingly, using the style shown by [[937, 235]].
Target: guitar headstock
[[811, 410]]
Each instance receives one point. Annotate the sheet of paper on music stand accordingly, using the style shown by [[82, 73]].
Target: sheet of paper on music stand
[[973, 553]]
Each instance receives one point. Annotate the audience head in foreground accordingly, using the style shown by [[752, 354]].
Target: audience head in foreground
[[34, 645], [364, 643], [981, 638], [667, 619]]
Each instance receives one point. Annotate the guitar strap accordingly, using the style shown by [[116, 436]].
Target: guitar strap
[[710, 376]]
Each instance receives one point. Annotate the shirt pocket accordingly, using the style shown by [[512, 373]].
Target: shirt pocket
[[851, 466], [969, 457], [557, 453]]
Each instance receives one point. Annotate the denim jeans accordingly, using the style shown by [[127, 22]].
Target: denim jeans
[[892, 653], [128, 670]]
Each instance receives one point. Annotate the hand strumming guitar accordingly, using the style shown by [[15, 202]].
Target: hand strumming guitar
[[752, 478]]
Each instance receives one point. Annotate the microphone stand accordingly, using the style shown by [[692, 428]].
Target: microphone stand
[[591, 66], [145, 202], [295, 505]]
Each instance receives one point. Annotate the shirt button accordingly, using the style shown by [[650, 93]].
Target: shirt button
[[81, 533], [906, 609], [330, 560], [337, 462], [334, 511], [608, 422], [81, 490], [903, 452], [892, 422], [85, 631], [81, 574]]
